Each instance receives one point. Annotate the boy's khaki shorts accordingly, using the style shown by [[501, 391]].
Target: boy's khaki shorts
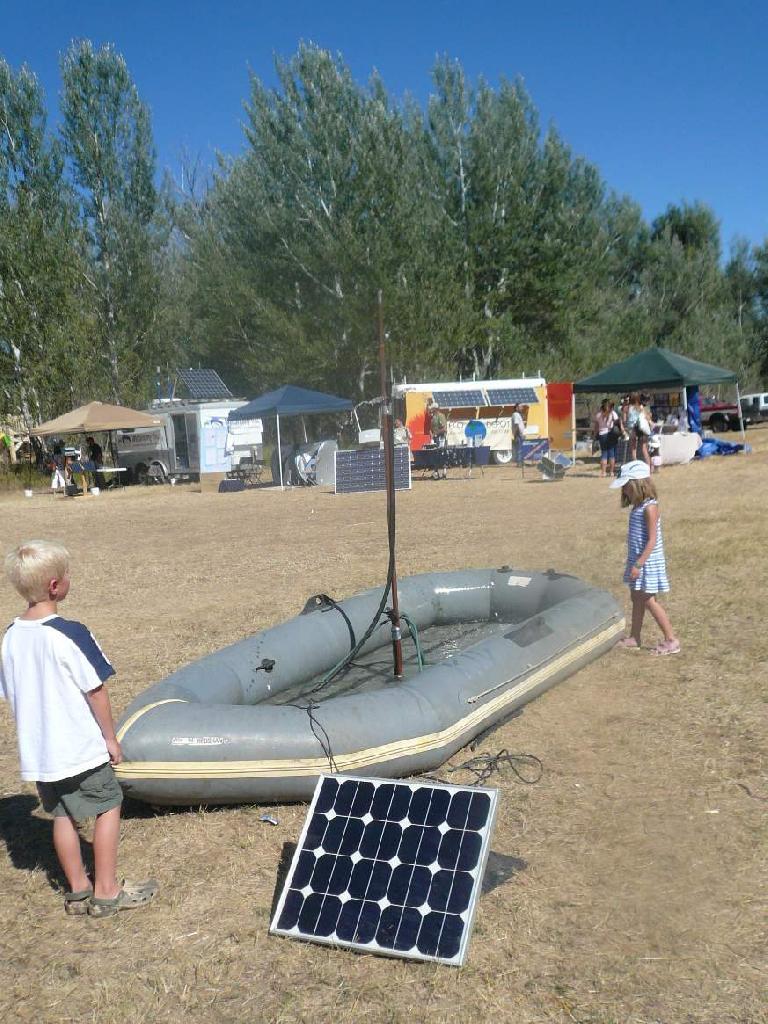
[[82, 796]]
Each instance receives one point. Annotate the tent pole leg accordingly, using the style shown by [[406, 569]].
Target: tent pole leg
[[279, 452], [741, 415], [573, 427]]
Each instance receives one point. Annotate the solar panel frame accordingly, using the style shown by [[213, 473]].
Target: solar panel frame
[[471, 398], [385, 875], [511, 396], [203, 384]]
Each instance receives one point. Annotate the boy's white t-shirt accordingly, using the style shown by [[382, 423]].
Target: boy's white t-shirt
[[46, 668]]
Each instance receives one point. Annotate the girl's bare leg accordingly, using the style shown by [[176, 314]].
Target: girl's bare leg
[[638, 613], [660, 616], [611, 467]]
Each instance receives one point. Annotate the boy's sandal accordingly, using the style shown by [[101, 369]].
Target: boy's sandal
[[76, 903], [628, 643], [666, 647], [126, 899], [148, 885]]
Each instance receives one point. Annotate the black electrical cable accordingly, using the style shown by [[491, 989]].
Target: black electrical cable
[[317, 728], [375, 622], [527, 767]]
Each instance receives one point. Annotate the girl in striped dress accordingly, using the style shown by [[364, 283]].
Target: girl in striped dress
[[645, 570]]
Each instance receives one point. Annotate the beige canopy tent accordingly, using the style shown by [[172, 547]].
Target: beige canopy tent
[[95, 417]]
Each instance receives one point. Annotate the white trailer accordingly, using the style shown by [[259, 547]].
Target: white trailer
[[195, 438]]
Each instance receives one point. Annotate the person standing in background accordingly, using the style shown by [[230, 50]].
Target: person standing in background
[[438, 428], [96, 456], [401, 433], [518, 434]]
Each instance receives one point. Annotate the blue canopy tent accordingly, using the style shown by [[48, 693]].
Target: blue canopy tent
[[290, 400]]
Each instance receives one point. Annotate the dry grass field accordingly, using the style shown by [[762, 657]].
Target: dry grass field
[[639, 893]]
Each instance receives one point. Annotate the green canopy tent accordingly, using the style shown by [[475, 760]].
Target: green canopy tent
[[657, 367]]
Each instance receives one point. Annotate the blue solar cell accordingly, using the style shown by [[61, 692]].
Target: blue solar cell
[[358, 921], [327, 795], [459, 851], [451, 891], [390, 841], [302, 873], [345, 797], [409, 885], [363, 799], [418, 809], [329, 916], [322, 873], [440, 935], [438, 807], [392, 867], [316, 831], [398, 928], [289, 916], [420, 844]]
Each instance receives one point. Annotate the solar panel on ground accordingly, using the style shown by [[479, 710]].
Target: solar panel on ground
[[363, 469], [511, 396], [459, 399], [389, 867], [203, 384]]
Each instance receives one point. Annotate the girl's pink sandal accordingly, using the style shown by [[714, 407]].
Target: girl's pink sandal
[[666, 647], [628, 643]]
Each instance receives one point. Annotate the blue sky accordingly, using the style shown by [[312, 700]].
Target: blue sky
[[668, 99]]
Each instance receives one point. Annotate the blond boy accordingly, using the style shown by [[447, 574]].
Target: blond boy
[[52, 672]]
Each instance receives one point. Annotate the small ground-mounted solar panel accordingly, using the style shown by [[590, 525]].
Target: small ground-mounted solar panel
[[202, 384], [511, 396], [362, 469], [389, 867], [468, 399]]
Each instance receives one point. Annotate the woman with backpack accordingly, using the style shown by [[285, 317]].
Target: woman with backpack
[[608, 431]]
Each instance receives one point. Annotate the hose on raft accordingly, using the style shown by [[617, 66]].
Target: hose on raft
[[413, 630]]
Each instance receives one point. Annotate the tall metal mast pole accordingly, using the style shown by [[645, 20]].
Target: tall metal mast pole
[[389, 471]]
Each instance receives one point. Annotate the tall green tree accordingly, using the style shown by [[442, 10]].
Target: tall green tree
[[44, 330], [108, 142]]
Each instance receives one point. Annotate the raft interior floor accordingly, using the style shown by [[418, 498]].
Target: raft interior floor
[[374, 670]]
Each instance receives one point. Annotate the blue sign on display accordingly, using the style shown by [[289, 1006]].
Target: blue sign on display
[[475, 430]]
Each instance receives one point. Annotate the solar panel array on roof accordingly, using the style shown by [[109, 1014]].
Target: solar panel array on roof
[[511, 396], [458, 399], [391, 868], [203, 384], [363, 469]]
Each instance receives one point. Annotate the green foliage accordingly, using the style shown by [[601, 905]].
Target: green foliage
[[44, 329], [498, 251], [107, 139]]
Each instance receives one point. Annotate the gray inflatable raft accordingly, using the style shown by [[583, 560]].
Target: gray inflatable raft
[[243, 726]]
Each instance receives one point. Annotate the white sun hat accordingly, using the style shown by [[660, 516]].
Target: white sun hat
[[635, 470]]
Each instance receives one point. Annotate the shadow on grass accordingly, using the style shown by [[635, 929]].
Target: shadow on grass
[[286, 856], [29, 839], [499, 868]]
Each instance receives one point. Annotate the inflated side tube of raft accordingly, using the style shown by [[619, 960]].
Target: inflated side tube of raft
[[210, 734]]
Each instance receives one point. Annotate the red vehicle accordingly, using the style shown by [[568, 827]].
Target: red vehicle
[[721, 416]]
